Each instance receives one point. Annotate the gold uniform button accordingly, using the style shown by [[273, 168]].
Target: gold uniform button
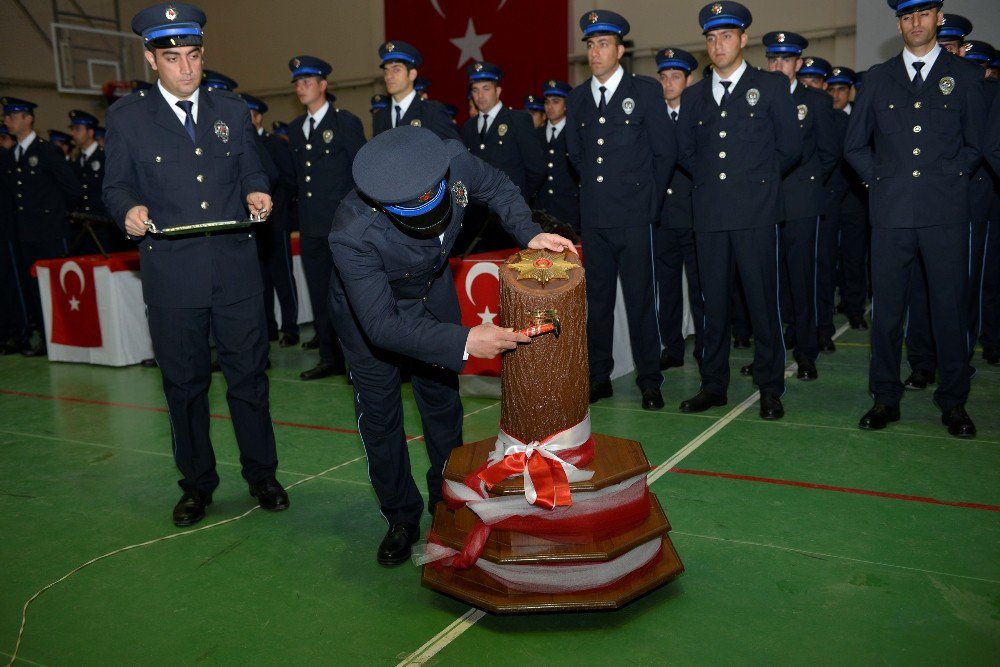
[[482, 147], [552, 151], [308, 163], [725, 114], [602, 120], [200, 178], [600, 160], [722, 176], [722, 135], [600, 179], [550, 192], [916, 173], [550, 165], [308, 178], [600, 142], [551, 178], [916, 151], [309, 194], [204, 205], [722, 155], [917, 128], [917, 105], [158, 158], [670, 191], [309, 147], [198, 151]]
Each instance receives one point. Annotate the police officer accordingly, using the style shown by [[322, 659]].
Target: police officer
[[991, 274], [394, 299], [560, 192], [324, 142], [7, 141], [422, 85], [621, 142], [13, 306], [738, 136], [180, 155], [62, 141], [915, 137], [43, 184], [399, 62], [676, 255], [218, 80], [279, 128], [804, 193], [378, 103], [274, 242], [536, 109], [814, 71], [952, 33], [99, 134], [88, 163]]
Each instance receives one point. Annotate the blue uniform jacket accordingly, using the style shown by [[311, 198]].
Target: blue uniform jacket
[[91, 177], [804, 191], [152, 162], [44, 187], [422, 113], [400, 288], [625, 158], [511, 146], [559, 195], [917, 150]]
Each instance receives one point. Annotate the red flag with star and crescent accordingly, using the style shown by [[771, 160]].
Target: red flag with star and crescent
[[75, 318], [527, 39]]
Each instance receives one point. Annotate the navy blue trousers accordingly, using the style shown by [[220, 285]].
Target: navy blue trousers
[[676, 256]]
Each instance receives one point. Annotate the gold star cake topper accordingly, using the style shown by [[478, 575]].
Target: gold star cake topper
[[542, 265]]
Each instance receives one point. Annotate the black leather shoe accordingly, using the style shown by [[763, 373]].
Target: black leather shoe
[[599, 390], [395, 546], [741, 343], [652, 399], [702, 401], [991, 355], [148, 363], [190, 509], [311, 344], [858, 323], [770, 406], [807, 371], [320, 370], [666, 361], [919, 379], [270, 494], [877, 418], [288, 340], [746, 371], [958, 422], [826, 344]]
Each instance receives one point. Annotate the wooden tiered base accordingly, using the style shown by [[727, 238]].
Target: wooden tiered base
[[615, 460]]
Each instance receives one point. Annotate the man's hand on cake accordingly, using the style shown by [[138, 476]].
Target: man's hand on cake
[[552, 242], [488, 340]]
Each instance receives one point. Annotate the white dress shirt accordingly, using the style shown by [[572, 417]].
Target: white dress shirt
[[24, 144], [491, 116], [172, 101], [717, 88], [610, 86], [404, 106], [549, 136], [318, 116], [929, 60]]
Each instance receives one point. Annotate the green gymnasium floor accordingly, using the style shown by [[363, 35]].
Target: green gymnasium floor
[[805, 540]]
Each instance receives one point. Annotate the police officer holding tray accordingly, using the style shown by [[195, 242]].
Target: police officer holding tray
[[393, 297], [915, 137], [176, 156]]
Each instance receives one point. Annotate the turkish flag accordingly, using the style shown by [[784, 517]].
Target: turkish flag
[[527, 39], [75, 319], [477, 283]]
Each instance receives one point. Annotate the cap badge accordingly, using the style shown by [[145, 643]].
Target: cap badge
[[670, 53], [781, 38], [502, 129], [415, 122], [809, 62], [171, 13], [628, 106], [836, 71], [327, 136], [552, 83], [753, 96], [222, 131], [478, 67], [966, 46], [461, 196], [33, 160], [716, 8], [803, 111], [95, 165], [946, 85], [296, 63], [378, 98], [390, 47], [592, 17]]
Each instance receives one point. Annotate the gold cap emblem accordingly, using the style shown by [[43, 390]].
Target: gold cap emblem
[[836, 71], [809, 62], [670, 53], [781, 38], [171, 13], [592, 17], [552, 83], [296, 63], [716, 8], [478, 67], [390, 47]]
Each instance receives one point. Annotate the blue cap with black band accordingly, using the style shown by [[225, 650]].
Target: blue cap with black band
[[722, 15], [175, 24], [904, 7]]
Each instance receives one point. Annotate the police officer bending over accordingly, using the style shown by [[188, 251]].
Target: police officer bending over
[[394, 301], [178, 155]]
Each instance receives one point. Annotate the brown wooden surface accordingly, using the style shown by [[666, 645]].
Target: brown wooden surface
[[475, 587], [504, 546], [615, 460], [544, 386]]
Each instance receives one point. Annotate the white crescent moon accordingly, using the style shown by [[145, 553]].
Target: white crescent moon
[[476, 271], [436, 4], [73, 267]]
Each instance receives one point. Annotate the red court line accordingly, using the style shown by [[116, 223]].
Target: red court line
[[840, 489], [88, 401]]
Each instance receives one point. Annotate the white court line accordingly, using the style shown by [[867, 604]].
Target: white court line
[[452, 632], [835, 557], [24, 610]]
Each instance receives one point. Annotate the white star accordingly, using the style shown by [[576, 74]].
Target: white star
[[487, 317], [471, 44], [74, 304]]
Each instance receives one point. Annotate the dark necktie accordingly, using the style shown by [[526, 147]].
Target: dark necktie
[[186, 106], [18, 152], [603, 104], [725, 92], [399, 115], [482, 130], [312, 127], [673, 116], [918, 80], [552, 133]]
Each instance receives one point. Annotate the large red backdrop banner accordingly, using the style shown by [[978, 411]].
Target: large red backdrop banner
[[527, 39]]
